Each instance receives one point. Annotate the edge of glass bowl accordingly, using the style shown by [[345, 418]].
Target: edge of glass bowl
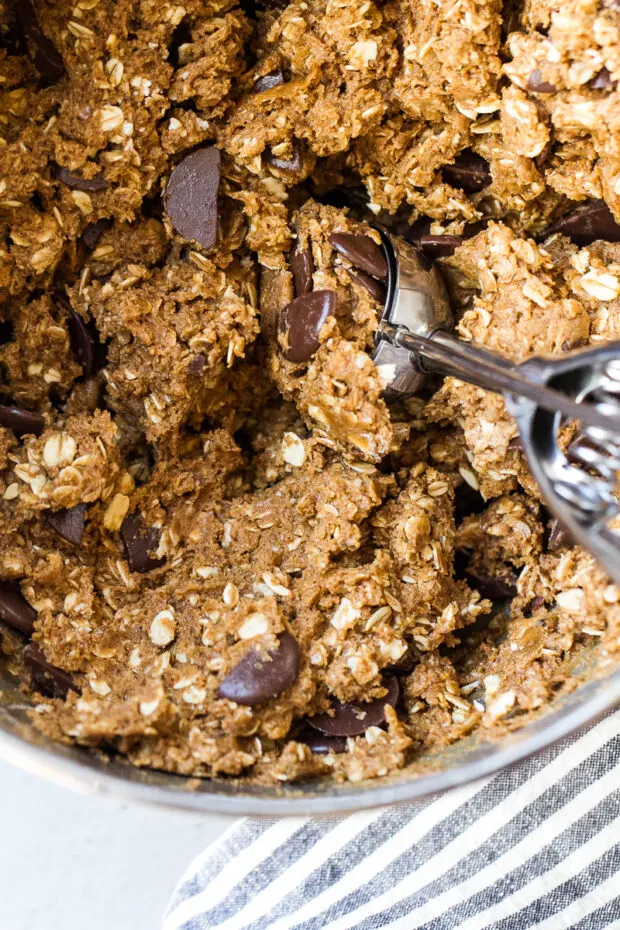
[[84, 771]]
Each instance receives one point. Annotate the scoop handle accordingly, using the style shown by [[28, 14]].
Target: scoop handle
[[447, 355]]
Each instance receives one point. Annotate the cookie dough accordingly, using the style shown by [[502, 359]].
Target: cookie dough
[[224, 550]]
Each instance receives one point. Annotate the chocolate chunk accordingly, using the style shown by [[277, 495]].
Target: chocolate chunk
[[21, 421], [292, 165], [191, 196], [258, 677], [543, 157], [46, 57], [76, 182], [15, 609], [469, 172], [362, 252], [302, 267], [559, 537], [300, 323], [44, 677], [82, 341], [439, 246], [69, 523], [602, 81], [94, 231], [375, 288], [538, 85], [197, 365], [268, 81], [495, 588], [591, 221], [568, 346], [536, 602], [139, 540], [515, 443], [321, 744], [355, 718]]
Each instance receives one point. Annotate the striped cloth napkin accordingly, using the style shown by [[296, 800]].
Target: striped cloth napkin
[[537, 845]]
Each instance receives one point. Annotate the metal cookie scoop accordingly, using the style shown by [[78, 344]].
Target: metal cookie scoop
[[414, 340]]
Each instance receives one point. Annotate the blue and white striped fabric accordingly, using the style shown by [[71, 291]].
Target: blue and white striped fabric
[[537, 845]]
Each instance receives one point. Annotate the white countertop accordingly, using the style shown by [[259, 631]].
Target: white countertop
[[68, 861]]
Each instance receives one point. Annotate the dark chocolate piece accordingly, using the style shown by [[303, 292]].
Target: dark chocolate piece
[[139, 540], [82, 341], [362, 252], [354, 719], [376, 289], [191, 196], [21, 421], [46, 678], [197, 365], [69, 523], [45, 56], [559, 537], [268, 81], [439, 246], [302, 267], [76, 182], [538, 85], [258, 677], [15, 609], [591, 221], [300, 323], [495, 588], [602, 81], [320, 744], [469, 172], [292, 165], [94, 231]]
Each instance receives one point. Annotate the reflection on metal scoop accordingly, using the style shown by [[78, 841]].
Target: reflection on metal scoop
[[414, 339]]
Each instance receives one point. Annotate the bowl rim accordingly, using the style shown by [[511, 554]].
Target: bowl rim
[[89, 775]]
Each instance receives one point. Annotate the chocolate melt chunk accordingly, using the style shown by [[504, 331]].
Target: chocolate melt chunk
[[495, 588], [537, 84], [543, 157], [439, 246], [268, 81], [139, 540], [15, 609], [94, 231], [258, 677], [45, 56], [362, 252], [69, 523], [469, 172], [300, 323], [46, 678], [191, 196], [82, 341], [76, 182], [292, 165], [302, 267], [21, 421], [602, 81], [591, 221], [559, 537], [321, 744], [354, 719], [376, 289], [197, 365]]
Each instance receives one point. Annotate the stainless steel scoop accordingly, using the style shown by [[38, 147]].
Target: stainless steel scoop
[[414, 340]]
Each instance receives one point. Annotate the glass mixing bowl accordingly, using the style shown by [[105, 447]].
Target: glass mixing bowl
[[468, 760]]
